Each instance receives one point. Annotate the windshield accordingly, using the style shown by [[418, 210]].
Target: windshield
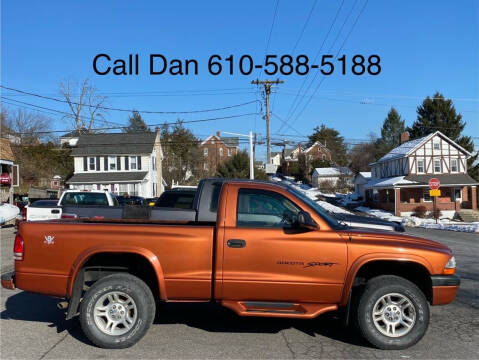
[[317, 208]]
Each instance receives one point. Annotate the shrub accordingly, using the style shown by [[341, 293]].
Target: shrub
[[420, 211], [436, 214]]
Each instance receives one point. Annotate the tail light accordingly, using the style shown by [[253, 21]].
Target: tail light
[[18, 248], [24, 213]]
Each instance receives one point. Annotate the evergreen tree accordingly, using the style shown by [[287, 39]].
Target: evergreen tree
[[136, 124], [391, 131], [439, 113], [237, 167], [333, 141], [182, 158]]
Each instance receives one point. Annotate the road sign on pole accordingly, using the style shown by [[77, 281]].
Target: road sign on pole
[[434, 191], [434, 183]]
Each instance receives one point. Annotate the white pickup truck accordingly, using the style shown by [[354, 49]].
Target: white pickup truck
[[70, 204]]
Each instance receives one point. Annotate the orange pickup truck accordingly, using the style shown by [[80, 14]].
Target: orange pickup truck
[[272, 251]]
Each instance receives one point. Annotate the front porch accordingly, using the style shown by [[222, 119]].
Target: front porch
[[403, 201]]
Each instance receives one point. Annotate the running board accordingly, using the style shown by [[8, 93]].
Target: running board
[[278, 309]]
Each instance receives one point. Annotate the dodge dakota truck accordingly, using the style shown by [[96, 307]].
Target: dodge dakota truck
[[262, 249]]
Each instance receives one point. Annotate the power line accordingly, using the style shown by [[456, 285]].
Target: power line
[[337, 53], [270, 32], [128, 110], [149, 125], [289, 113]]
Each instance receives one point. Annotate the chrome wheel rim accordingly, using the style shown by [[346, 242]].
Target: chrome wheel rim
[[394, 315], [115, 313]]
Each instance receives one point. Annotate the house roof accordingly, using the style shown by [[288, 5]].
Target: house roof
[[75, 133], [444, 179], [421, 181], [113, 176], [332, 171], [365, 174], [312, 147], [115, 144], [408, 147], [228, 141], [274, 153], [5, 150]]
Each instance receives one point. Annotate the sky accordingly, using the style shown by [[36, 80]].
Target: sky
[[424, 47]]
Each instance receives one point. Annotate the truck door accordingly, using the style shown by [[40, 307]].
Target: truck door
[[266, 257]]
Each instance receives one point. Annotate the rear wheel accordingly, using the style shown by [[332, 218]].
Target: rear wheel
[[392, 313], [117, 311]]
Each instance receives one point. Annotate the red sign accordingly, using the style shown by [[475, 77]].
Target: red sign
[[434, 183], [5, 179]]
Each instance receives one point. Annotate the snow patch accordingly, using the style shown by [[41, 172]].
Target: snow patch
[[442, 224]]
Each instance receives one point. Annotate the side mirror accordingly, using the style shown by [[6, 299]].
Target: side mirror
[[305, 221]]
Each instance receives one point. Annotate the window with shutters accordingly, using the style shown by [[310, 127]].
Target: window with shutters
[[112, 162], [132, 162], [91, 163]]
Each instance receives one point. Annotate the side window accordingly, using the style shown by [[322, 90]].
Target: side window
[[264, 209]]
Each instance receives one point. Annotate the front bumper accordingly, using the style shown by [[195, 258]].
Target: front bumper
[[444, 288], [8, 280]]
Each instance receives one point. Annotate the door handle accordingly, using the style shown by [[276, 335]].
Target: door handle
[[56, 211], [236, 243]]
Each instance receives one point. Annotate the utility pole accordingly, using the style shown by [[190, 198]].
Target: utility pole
[[267, 91]]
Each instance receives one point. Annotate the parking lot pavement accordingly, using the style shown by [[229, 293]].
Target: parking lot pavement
[[32, 327]]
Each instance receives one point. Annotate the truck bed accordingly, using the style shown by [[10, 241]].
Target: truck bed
[[55, 245]]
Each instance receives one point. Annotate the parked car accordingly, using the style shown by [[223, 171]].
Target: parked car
[[71, 202], [177, 198], [262, 249], [131, 200]]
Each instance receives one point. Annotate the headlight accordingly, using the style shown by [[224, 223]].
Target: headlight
[[450, 266]]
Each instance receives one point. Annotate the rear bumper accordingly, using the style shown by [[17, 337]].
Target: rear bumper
[[444, 288], [8, 280]]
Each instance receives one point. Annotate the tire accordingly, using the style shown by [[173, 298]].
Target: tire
[[400, 320], [117, 311]]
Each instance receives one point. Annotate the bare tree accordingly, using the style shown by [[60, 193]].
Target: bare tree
[[30, 128], [86, 106]]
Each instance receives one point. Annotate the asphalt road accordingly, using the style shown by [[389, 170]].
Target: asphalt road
[[32, 327]]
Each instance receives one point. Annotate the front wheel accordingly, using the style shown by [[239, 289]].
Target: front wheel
[[117, 311], [392, 313]]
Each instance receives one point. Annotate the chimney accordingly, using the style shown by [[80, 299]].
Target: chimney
[[218, 134], [404, 137]]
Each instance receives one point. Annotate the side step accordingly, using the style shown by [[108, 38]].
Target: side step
[[278, 309]]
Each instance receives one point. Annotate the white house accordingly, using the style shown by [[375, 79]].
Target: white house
[[120, 162], [331, 174], [399, 180], [360, 181]]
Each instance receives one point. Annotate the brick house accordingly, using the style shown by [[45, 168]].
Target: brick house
[[316, 151], [216, 149], [120, 162], [399, 180]]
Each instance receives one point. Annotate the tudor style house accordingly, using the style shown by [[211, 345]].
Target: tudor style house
[[216, 149], [120, 162], [399, 180]]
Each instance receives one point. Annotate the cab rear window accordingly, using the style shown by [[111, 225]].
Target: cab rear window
[[84, 199]]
